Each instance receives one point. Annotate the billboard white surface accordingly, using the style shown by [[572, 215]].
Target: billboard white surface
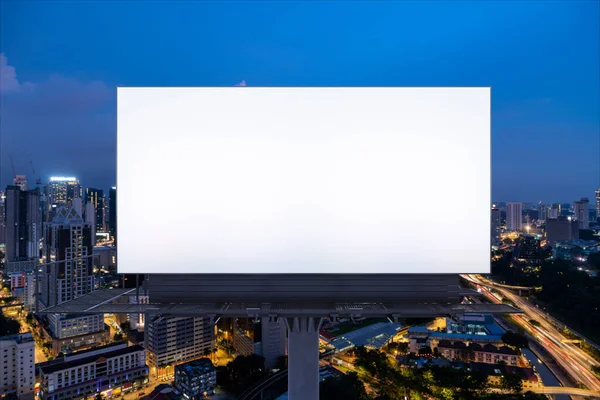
[[303, 180]]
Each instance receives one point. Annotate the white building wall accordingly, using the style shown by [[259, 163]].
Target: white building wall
[[17, 365]]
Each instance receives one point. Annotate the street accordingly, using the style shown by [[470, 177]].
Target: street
[[572, 359]]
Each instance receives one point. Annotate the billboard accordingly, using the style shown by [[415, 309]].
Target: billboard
[[256, 180]]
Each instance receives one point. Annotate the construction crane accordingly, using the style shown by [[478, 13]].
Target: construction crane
[[38, 180]]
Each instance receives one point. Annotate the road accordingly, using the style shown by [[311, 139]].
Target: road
[[572, 359]]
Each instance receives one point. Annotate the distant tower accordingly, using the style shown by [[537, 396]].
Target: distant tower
[[514, 216], [90, 219], [20, 181], [495, 226], [96, 197], [62, 190], [542, 212], [597, 204], [582, 213], [23, 223], [2, 218], [112, 212]]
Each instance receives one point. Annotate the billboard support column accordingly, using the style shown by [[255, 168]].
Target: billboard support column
[[303, 357]]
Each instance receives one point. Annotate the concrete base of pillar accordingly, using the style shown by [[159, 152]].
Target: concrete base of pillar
[[303, 358]]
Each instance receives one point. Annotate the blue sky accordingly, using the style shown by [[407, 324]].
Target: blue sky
[[61, 62]]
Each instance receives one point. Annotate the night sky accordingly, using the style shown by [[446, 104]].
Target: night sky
[[61, 62]]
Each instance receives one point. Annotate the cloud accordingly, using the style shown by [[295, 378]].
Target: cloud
[[242, 83], [65, 125], [8, 78]]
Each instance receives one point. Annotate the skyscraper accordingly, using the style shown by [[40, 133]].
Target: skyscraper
[[542, 212], [598, 204], [61, 190], [69, 274], [514, 216], [582, 213], [2, 218], [20, 181], [174, 340], [495, 226], [96, 197], [112, 212], [23, 224]]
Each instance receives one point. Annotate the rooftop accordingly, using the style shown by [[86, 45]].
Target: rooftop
[[195, 368], [66, 364], [18, 337]]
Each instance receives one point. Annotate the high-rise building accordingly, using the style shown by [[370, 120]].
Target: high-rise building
[[542, 212], [598, 204], [62, 189], [90, 219], [96, 197], [2, 218], [514, 216], [564, 209], [20, 181], [17, 366], [69, 274], [23, 224], [112, 212], [495, 226], [274, 340], [174, 340], [582, 213], [561, 229]]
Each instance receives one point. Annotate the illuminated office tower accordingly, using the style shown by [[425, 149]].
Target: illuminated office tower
[[96, 197], [23, 224], [514, 216], [69, 276], [582, 213], [61, 190], [495, 226], [112, 212]]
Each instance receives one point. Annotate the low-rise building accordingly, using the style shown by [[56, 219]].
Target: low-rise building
[[471, 328], [529, 378], [487, 353], [17, 366], [196, 379], [100, 370]]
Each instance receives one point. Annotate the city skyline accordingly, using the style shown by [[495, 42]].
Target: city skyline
[[58, 107]]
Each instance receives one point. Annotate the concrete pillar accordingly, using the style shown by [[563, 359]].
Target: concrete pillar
[[303, 357]]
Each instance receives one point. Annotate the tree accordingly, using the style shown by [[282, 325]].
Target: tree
[[511, 382], [343, 387], [515, 339], [118, 337], [281, 362], [241, 373], [8, 326], [596, 370]]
